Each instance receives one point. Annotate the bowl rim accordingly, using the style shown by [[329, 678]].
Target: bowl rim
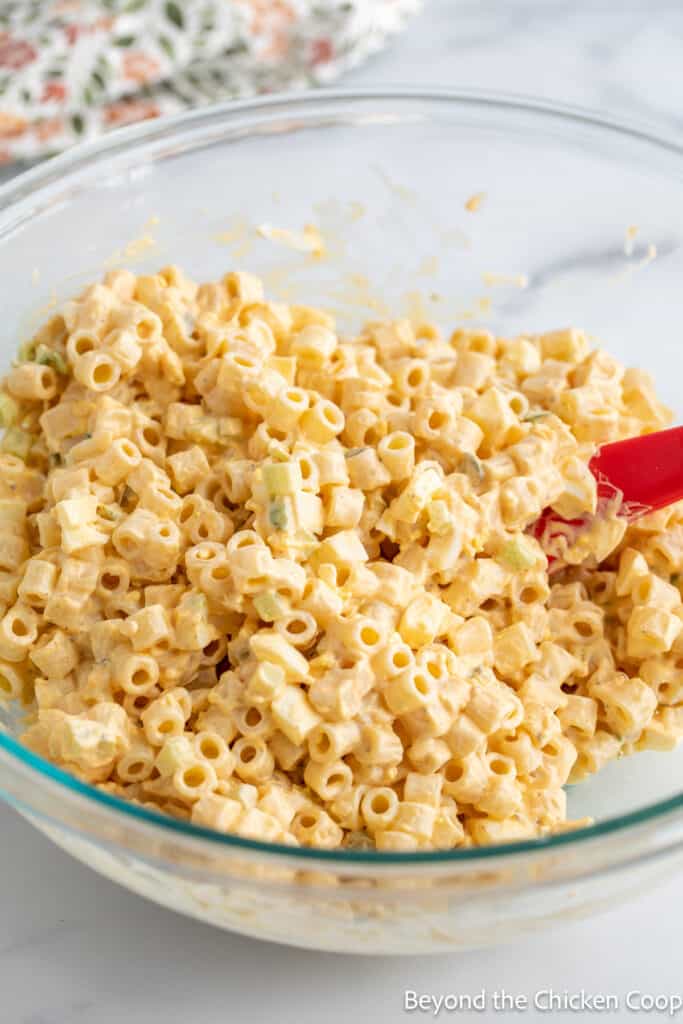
[[124, 138], [29, 183]]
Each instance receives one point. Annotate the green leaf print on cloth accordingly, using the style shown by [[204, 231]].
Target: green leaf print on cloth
[[70, 71]]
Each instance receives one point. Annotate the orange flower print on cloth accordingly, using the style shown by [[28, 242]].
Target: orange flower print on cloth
[[140, 67], [15, 54], [129, 112], [270, 22], [322, 51], [12, 127], [72, 69], [54, 92], [48, 129]]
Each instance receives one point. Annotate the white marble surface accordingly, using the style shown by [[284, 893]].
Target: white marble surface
[[74, 947]]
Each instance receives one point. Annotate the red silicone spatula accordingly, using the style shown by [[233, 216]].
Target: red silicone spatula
[[635, 476]]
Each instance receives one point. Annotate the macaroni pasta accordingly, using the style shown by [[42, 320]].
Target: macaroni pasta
[[279, 582]]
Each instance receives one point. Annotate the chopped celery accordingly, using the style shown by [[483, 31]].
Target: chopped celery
[[17, 442], [282, 478], [518, 554], [175, 753], [269, 606], [9, 411]]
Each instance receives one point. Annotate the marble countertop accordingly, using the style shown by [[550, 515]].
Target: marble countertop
[[621, 58], [76, 948]]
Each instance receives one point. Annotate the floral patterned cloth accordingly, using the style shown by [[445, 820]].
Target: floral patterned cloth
[[71, 69]]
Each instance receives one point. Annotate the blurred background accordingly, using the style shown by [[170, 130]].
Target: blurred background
[[74, 69]]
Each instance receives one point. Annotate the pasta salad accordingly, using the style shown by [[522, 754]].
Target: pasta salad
[[280, 582]]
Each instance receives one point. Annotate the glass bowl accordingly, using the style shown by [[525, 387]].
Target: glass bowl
[[385, 176]]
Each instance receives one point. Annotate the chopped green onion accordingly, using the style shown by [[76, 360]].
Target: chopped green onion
[[277, 514], [127, 495], [48, 357], [358, 841], [109, 512], [27, 351], [472, 467]]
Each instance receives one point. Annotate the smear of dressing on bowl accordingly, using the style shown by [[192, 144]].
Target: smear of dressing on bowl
[[474, 202], [309, 240]]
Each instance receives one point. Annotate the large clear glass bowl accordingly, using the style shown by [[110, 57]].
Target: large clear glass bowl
[[385, 177]]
